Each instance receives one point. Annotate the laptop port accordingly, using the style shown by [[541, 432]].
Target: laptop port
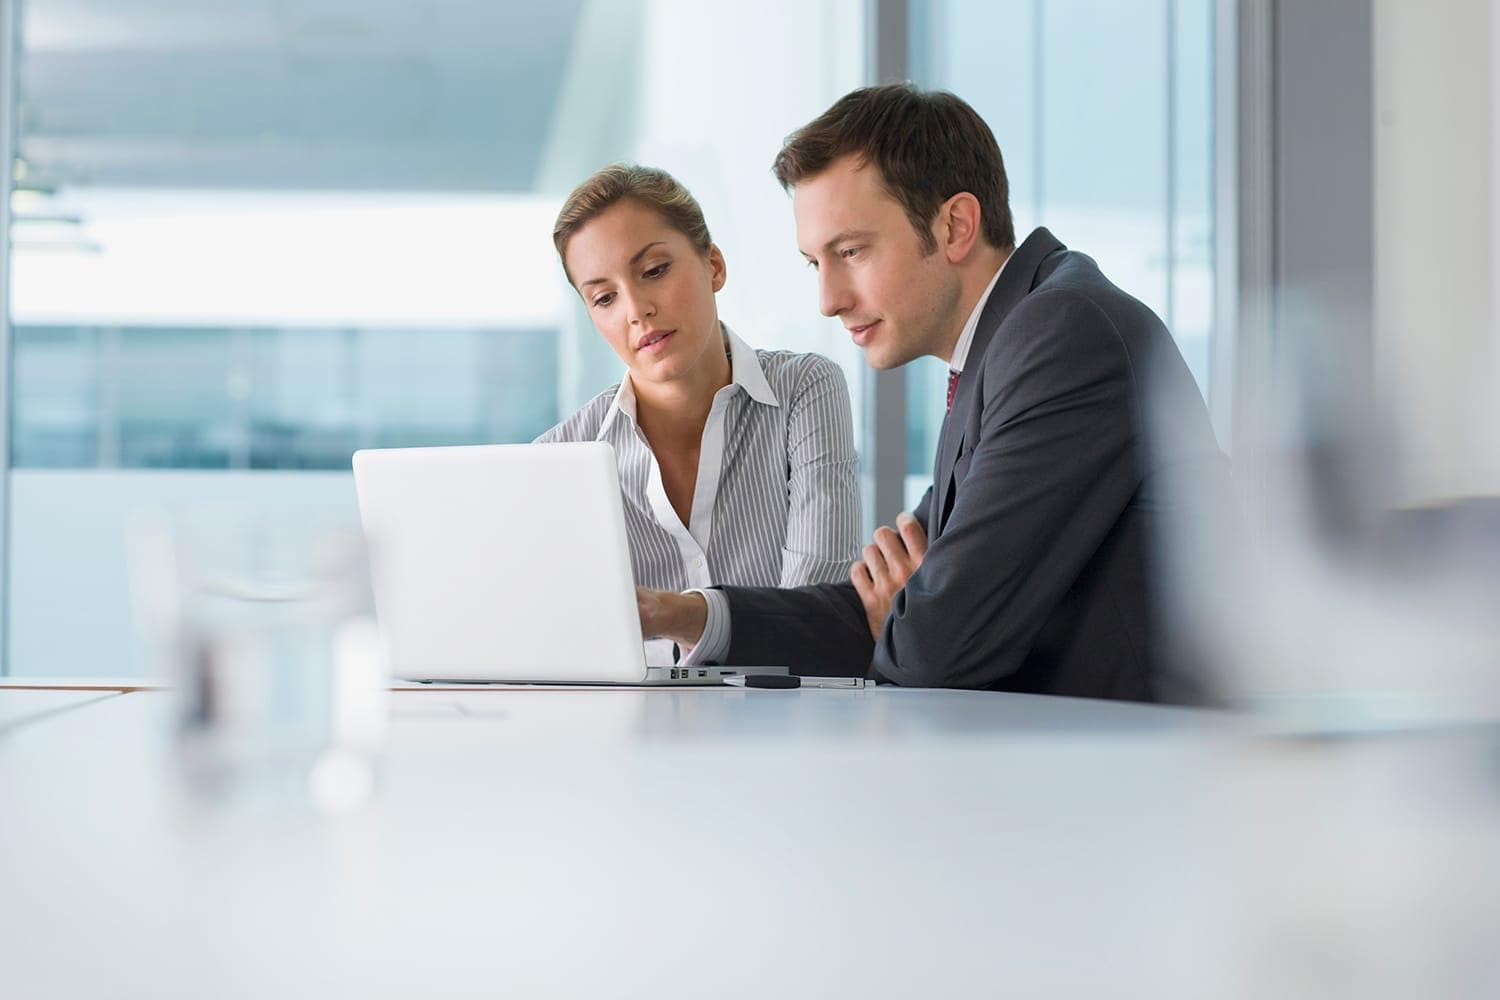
[[674, 673], [703, 673]]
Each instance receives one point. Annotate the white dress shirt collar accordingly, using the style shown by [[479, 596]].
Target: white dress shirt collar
[[744, 372], [966, 339]]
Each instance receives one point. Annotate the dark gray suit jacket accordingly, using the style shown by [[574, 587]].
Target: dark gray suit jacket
[[1049, 482]]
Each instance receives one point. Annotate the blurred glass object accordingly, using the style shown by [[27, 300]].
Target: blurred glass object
[[1353, 619], [264, 628], [1330, 592]]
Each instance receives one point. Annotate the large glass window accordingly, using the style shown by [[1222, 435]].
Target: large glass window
[[251, 237], [1103, 112]]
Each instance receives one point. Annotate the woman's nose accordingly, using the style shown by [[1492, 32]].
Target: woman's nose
[[641, 307]]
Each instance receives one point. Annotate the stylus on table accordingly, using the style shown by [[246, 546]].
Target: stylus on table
[[784, 681]]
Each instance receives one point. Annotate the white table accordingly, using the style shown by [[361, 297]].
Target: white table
[[22, 707], [707, 842], [651, 843]]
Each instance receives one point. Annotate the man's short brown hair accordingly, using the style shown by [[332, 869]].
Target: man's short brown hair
[[654, 188], [928, 146]]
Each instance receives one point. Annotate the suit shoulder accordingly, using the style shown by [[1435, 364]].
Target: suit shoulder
[[1053, 337], [1056, 314], [1072, 269], [1079, 274]]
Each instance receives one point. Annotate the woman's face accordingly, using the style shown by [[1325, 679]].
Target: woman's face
[[649, 291]]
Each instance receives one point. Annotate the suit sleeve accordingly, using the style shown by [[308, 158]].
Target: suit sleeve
[[822, 528], [1049, 472], [816, 630]]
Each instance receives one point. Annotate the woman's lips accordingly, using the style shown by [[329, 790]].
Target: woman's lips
[[656, 342]]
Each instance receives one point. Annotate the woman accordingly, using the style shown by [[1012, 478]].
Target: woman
[[736, 464]]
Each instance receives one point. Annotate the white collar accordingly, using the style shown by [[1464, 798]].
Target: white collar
[[966, 339], [744, 372]]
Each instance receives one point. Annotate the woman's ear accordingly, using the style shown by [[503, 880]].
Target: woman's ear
[[717, 269]]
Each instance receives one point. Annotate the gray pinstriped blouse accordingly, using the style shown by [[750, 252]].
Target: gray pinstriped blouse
[[776, 501]]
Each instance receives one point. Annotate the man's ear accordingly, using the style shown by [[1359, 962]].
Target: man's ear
[[958, 226]]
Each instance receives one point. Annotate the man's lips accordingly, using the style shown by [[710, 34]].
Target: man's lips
[[654, 341], [863, 334]]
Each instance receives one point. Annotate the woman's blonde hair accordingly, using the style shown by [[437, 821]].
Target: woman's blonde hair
[[656, 189]]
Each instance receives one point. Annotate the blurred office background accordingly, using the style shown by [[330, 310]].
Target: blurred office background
[[248, 237]]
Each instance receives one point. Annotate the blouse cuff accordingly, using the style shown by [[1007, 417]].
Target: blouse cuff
[[713, 645]]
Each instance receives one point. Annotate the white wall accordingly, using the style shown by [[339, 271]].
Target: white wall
[[1437, 213]]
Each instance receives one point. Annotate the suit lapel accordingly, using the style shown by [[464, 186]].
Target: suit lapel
[[949, 442], [1018, 278]]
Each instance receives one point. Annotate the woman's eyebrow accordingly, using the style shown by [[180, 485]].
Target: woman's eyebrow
[[633, 261]]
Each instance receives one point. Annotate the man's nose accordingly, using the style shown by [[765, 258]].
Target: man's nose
[[833, 295]]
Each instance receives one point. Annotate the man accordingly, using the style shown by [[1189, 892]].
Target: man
[[1025, 566]]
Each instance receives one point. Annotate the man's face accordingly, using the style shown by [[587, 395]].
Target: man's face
[[897, 302]]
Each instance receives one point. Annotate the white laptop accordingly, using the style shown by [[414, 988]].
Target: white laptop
[[506, 563]]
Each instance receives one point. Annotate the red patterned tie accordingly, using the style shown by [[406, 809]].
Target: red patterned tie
[[952, 388]]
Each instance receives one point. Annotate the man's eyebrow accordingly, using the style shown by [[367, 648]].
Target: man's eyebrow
[[846, 236], [633, 261]]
